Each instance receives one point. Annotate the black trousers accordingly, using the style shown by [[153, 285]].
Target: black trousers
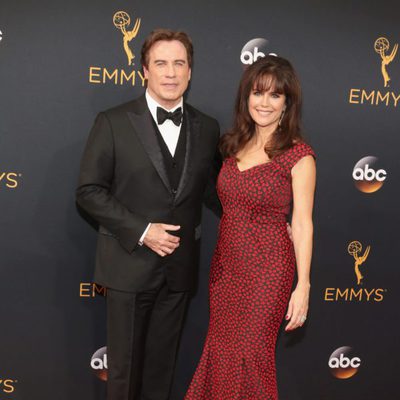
[[143, 332]]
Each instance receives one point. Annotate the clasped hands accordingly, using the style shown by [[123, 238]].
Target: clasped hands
[[160, 241]]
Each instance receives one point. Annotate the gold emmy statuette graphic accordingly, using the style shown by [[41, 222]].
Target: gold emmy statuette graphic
[[354, 249], [121, 21], [381, 46]]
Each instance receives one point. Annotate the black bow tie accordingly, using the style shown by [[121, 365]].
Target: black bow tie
[[175, 117]]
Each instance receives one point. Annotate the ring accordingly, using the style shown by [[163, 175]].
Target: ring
[[303, 319]]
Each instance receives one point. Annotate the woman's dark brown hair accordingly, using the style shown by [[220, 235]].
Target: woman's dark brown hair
[[277, 74]]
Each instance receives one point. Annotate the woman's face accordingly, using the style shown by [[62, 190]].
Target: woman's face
[[266, 107]]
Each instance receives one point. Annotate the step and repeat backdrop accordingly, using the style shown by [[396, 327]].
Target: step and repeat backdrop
[[63, 62]]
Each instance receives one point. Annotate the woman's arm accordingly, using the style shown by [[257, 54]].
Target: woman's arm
[[303, 185]]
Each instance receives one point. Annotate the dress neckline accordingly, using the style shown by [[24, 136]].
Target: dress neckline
[[250, 168], [264, 163]]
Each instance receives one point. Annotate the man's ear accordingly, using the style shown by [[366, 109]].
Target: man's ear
[[146, 72]]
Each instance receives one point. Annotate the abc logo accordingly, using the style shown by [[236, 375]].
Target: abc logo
[[368, 178], [253, 50], [99, 363], [343, 364]]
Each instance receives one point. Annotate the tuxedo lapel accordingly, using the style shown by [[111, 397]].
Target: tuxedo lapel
[[141, 120], [192, 136]]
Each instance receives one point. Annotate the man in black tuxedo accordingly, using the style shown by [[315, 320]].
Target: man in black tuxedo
[[146, 170]]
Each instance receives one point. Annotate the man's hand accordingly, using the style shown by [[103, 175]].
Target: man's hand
[[160, 241]]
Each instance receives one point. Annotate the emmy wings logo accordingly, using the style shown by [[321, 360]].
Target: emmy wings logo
[[122, 21], [120, 76], [357, 293], [377, 97], [382, 46], [355, 249]]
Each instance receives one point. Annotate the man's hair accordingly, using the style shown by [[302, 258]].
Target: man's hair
[[168, 35]]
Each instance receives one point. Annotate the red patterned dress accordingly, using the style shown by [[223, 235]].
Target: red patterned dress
[[250, 281]]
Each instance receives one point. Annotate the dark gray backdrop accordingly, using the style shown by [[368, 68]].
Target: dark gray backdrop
[[50, 328]]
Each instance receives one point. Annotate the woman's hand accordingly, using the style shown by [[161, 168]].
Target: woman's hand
[[298, 307]]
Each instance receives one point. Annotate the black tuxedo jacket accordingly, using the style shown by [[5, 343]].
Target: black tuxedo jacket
[[124, 185]]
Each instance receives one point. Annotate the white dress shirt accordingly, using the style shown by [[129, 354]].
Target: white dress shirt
[[169, 132]]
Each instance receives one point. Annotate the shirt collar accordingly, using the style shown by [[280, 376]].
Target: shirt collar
[[152, 104]]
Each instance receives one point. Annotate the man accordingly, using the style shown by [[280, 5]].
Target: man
[[147, 167]]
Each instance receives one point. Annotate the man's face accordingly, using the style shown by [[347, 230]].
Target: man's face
[[168, 72]]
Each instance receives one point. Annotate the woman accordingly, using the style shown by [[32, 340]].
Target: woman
[[267, 167]]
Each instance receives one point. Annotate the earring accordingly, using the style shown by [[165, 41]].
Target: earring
[[281, 117]]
